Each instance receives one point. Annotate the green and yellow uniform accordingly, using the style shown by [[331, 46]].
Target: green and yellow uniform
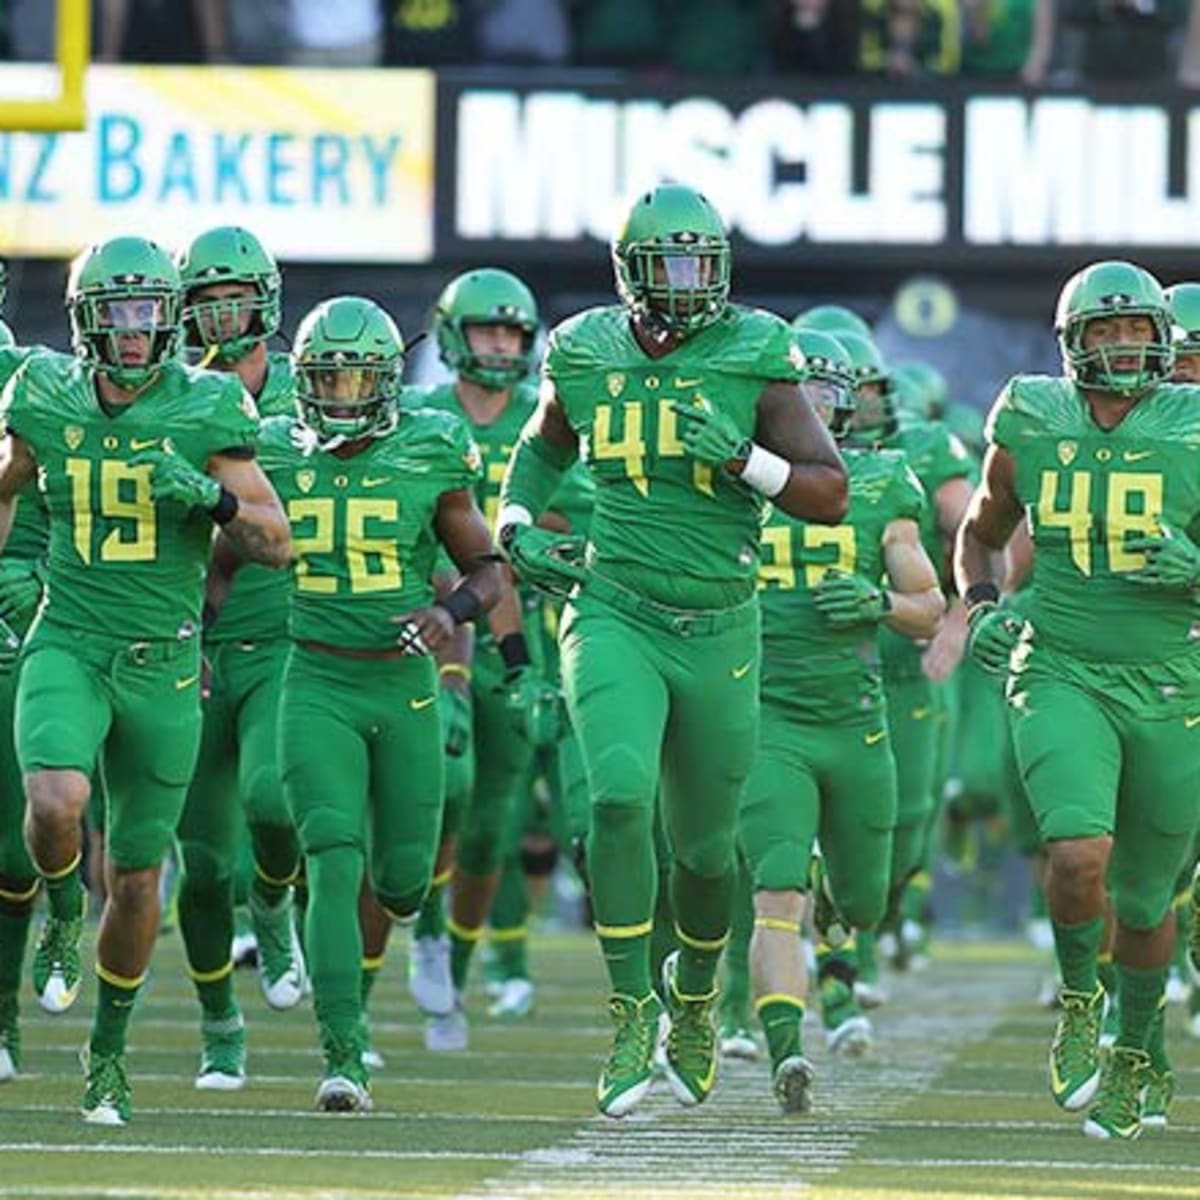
[[824, 767], [1104, 699], [110, 670]]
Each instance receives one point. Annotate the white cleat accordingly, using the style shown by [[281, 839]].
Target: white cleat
[[515, 1000], [737, 1042], [447, 1033], [338, 1094], [1047, 995], [105, 1113], [8, 1068], [1177, 989], [1040, 933], [870, 995], [429, 981], [281, 970], [243, 950], [850, 1039], [58, 996]]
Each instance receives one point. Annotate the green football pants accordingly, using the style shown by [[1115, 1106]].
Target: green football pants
[[914, 729]]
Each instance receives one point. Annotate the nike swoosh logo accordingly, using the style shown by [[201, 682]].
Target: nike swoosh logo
[[1191, 722], [1136, 455], [418, 703], [371, 483], [872, 738], [687, 383], [742, 672], [919, 714], [180, 684], [142, 443]]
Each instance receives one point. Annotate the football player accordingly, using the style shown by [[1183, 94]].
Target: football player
[[689, 417]]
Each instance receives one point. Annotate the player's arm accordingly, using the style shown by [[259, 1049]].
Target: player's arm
[[916, 600], [942, 656], [1018, 559], [223, 565], [992, 515], [252, 520], [17, 468], [546, 448]]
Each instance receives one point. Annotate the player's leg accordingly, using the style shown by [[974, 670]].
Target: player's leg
[[208, 835], [272, 830], [711, 740], [324, 761], [1070, 757], [734, 1034], [376, 928], [618, 702]]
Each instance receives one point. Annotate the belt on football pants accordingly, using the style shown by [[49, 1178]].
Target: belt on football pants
[[683, 622], [350, 652]]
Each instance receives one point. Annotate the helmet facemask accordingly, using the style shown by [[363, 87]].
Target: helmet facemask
[[343, 398], [229, 327], [107, 322], [1126, 369], [680, 282]]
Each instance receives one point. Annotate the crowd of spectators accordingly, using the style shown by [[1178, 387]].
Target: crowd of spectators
[[1033, 41]]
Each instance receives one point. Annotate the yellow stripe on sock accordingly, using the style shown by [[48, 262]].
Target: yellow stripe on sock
[[20, 897], [372, 964], [921, 880], [462, 932], [695, 943], [62, 874], [1104, 958], [197, 976], [624, 931], [784, 926], [401, 918], [443, 878], [121, 981], [287, 879], [1182, 899], [518, 933], [779, 998]]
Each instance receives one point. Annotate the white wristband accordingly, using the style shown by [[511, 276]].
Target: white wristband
[[766, 472], [513, 514]]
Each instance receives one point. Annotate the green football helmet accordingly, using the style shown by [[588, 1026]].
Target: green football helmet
[[827, 378], [7, 341], [229, 254], [349, 358], [1184, 302], [487, 296], [1114, 289], [875, 415], [124, 286], [832, 318], [921, 389], [671, 259]]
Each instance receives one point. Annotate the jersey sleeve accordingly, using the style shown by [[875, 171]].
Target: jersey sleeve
[[27, 398], [1002, 421], [908, 499], [780, 357], [275, 449], [464, 466], [233, 422]]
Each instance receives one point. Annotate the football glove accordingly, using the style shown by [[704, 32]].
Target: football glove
[[172, 477], [455, 706], [844, 599], [710, 436], [20, 590], [10, 647], [552, 562], [994, 634], [535, 707], [1172, 560]]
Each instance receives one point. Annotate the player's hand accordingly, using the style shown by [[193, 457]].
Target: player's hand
[[844, 599], [455, 706], [10, 647], [543, 559], [994, 634], [535, 707], [172, 477], [424, 630], [20, 590], [710, 436], [945, 650], [1172, 560]]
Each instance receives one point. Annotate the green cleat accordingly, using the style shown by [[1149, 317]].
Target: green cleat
[[1156, 1101], [1110, 1026], [792, 1081], [281, 969], [628, 1072], [692, 1041], [1117, 1112], [847, 1029], [223, 1057], [346, 1085], [10, 1038], [107, 1097], [1075, 1051], [56, 968]]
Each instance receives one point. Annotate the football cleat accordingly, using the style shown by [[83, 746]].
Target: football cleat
[[223, 1055], [628, 1071], [280, 960], [56, 968], [847, 1030], [792, 1081], [369, 1056], [1110, 1026], [1177, 987], [448, 1032], [345, 1087], [870, 993], [1157, 1097], [243, 950], [1117, 1112], [429, 980], [515, 1000], [1075, 1051], [107, 1096], [10, 1038], [1040, 933], [735, 1040], [1047, 993], [692, 1041]]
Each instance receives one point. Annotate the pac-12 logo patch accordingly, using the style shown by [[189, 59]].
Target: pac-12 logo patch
[[305, 480], [1067, 452], [615, 382], [73, 436]]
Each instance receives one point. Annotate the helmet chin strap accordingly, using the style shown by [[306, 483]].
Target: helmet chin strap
[[306, 439]]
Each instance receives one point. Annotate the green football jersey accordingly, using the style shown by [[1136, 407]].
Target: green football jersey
[[120, 563], [1087, 491], [30, 532], [797, 554], [674, 529], [363, 527], [256, 609]]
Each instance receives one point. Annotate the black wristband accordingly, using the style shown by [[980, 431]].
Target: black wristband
[[463, 604], [225, 509], [514, 650], [981, 593]]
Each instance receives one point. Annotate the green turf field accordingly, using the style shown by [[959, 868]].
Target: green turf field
[[951, 1104]]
